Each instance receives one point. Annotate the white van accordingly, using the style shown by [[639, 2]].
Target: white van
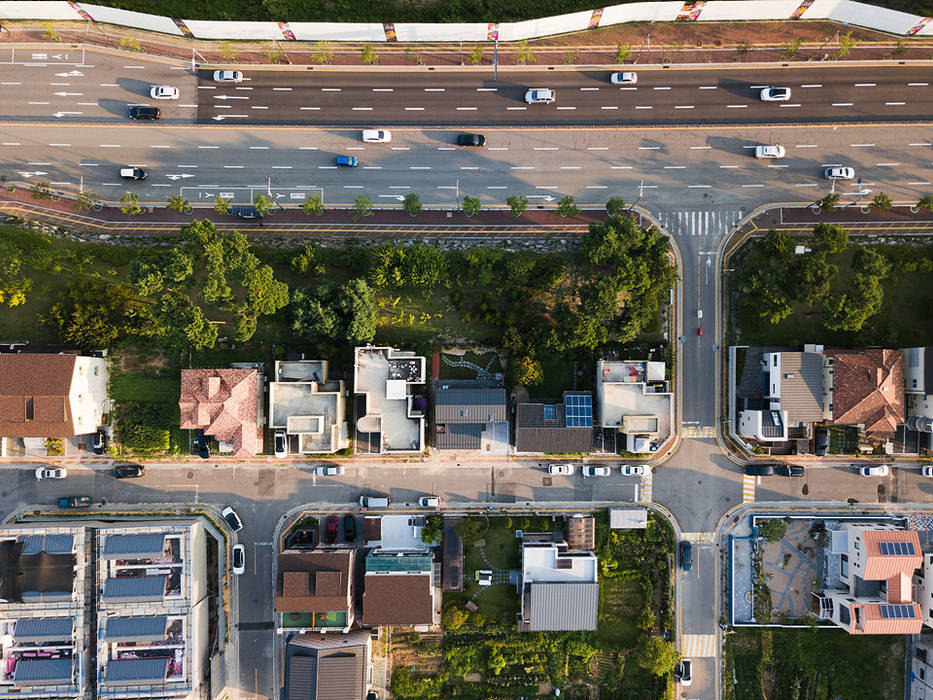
[[374, 502]]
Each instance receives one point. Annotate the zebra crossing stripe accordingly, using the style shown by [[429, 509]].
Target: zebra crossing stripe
[[748, 488], [698, 645], [698, 537], [645, 489], [698, 431]]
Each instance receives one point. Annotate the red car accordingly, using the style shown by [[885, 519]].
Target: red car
[[699, 331], [330, 532]]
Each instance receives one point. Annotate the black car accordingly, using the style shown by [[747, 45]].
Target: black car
[[128, 471], [789, 470], [471, 140], [245, 211], [686, 555], [821, 441], [349, 528], [759, 469], [144, 112], [100, 442], [202, 444]]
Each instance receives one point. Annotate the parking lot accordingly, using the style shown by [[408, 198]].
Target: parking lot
[[841, 482]]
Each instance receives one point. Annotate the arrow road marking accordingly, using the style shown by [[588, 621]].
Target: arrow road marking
[[179, 176], [221, 117], [393, 196], [65, 114], [545, 197], [70, 94], [73, 73], [230, 97], [28, 174]]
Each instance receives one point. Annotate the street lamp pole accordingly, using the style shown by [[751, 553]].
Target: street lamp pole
[[495, 61]]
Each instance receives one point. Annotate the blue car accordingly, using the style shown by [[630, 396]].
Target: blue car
[[347, 161], [686, 555]]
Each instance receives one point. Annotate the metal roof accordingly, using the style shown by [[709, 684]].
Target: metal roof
[[53, 544], [135, 588], [137, 670], [136, 629], [302, 674], [43, 671], [41, 629], [149, 546], [801, 381], [398, 564], [466, 405], [459, 436], [561, 606]]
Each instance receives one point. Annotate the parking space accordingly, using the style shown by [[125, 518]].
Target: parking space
[[842, 482]]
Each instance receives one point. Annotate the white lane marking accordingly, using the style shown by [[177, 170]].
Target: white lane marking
[[699, 187], [649, 187], [281, 89], [683, 106], [597, 148], [922, 143], [234, 167], [399, 187], [467, 109], [863, 145], [620, 167], [445, 148], [435, 89], [37, 103], [644, 107], [566, 108], [37, 163], [223, 106], [610, 107], [570, 167], [805, 145], [419, 167], [186, 166], [895, 104], [383, 89], [647, 148], [806, 184], [178, 105], [372, 167], [469, 167], [254, 107], [487, 89], [917, 84], [752, 185], [414, 109], [496, 187], [778, 166], [923, 182], [842, 104], [166, 184], [156, 145], [700, 148], [546, 187], [313, 109], [661, 88], [446, 187], [401, 148], [628, 88], [865, 84], [60, 145], [109, 145], [355, 148], [241, 87], [327, 167], [757, 87], [5, 82], [259, 148], [708, 87], [60, 84], [11, 143], [209, 147], [596, 88], [307, 148], [65, 183], [736, 106], [200, 87], [545, 148], [89, 165], [886, 165], [352, 187], [675, 167], [796, 104], [330, 89], [812, 85], [135, 67], [597, 187], [522, 167], [729, 167], [497, 148], [362, 109], [516, 108]]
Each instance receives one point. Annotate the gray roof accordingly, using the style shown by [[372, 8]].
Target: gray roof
[[138, 588], [134, 546], [463, 436], [561, 606], [53, 544], [43, 671], [302, 674], [772, 425], [137, 670], [339, 675], [535, 433], [41, 629], [802, 391], [465, 405], [135, 629]]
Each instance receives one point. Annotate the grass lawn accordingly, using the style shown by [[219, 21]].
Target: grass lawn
[[558, 371], [619, 605], [502, 546], [843, 440], [136, 386]]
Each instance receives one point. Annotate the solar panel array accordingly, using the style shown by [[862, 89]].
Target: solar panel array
[[897, 548], [897, 612], [579, 411]]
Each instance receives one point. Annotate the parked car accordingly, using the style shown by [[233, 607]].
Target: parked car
[[769, 151], [775, 94], [99, 446], [347, 161], [789, 470], [330, 529], [56, 473], [623, 78], [686, 555], [429, 502], [245, 211], [759, 469], [280, 444], [349, 528], [238, 560], [128, 471], [634, 469], [540, 95], [682, 672], [74, 502], [134, 173], [820, 441], [875, 470], [839, 172], [471, 140], [202, 445], [596, 471], [228, 76], [329, 470], [163, 92], [144, 112], [374, 502], [926, 471], [377, 136], [560, 469], [233, 520]]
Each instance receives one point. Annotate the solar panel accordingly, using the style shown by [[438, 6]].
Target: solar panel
[[578, 410], [897, 612], [897, 548]]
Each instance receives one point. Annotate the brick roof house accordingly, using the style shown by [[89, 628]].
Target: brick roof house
[[318, 581], [225, 404], [868, 389]]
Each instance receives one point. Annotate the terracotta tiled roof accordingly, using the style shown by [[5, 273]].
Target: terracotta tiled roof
[[34, 391], [315, 581], [880, 566], [402, 599], [224, 403], [868, 389], [874, 623]]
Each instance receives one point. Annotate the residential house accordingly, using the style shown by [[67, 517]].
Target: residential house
[[868, 587], [227, 405], [308, 407], [398, 589], [328, 667], [471, 415], [920, 677], [581, 532], [634, 404], [314, 590], [556, 428], [390, 411], [559, 589], [866, 389]]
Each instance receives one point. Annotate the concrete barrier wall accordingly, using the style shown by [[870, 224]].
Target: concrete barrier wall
[[847, 11]]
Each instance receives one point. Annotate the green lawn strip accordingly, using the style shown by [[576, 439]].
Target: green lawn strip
[[620, 602], [135, 386]]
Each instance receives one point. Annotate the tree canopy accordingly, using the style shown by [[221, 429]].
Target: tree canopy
[[338, 312]]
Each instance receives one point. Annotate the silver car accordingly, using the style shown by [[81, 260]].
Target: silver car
[[624, 78], [838, 172], [769, 151], [540, 95], [596, 471], [228, 76]]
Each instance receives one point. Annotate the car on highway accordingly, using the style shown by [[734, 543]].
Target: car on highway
[[349, 528], [74, 502], [926, 471], [769, 151], [238, 559], [874, 470], [560, 469], [686, 555], [99, 445], [596, 471], [133, 173], [128, 471], [820, 441], [280, 444], [789, 470], [347, 161], [623, 78], [700, 330], [634, 469], [329, 470], [233, 520], [429, 502], [759, 469], [839, 172], [775, 94], [330, 529], [682, 672], [144, 112], [163, 92], [377, 136], [471, 140], [55, 473], [540, 95], [228, 76]]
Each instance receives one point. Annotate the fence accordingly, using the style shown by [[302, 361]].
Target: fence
[[844, 11]]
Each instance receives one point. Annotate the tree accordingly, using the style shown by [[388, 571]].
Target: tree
[[471, 205], [86, 201], [453, 616], [615, 205], [412, 203], [359, 311], [829, 202], [313, 205], [129, 204], [180, 204], [324, 54], [264, 206], [777, 244], [244, 324], [185, 323], [882, 202], [814, 278], [228, 51], [348, 312], [517, 204], [528, 371], [472, 528], [773, 529], [524, 54], [926, 202], [657, 656], [433, 529], [369, 55], [476, 55], [566, 207], [265, 294], [830, 239], [623, 53], [362, 207], [41, 190], [221, 205]]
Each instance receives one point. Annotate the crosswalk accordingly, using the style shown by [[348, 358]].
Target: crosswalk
[[697, 431], [748, 488], [645, 489], [698, 537], [704, 222], [697, 645]]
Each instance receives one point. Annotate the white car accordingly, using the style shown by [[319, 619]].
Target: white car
[[838, 172], [560, 469], [331, 470], [238, 560], [42, 473], [133, 173], [625, 78], [769, 151], [683, 672], [775, 94], [233, 520], [429, 502], [280, 444], [163, 92], [634, 469], [377, 136], [228, 76], [874, 470], [596, 471], [543, 95], [926, 471]]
